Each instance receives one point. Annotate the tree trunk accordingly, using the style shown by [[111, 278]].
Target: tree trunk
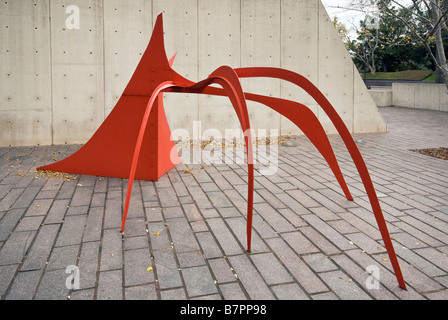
[[442, 66]]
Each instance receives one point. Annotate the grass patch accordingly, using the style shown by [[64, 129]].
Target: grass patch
[[409, 75], [431, 78]]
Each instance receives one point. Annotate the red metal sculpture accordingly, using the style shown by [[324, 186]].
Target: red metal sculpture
[[134, 141]]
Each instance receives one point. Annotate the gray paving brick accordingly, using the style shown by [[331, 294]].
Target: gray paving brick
[[16, 247], [224, 236], [222, 271], [182, 236], [39, 207], [167, 270], [436, 257], [273, 218], [270, 268], [250, 278], [110, 285], [198, 281], [172, 212], [82, 196], [200, 198], [173, 294], [98, 199], [26, 197], [72, 230], [319, 262], [9, 222], [159, 236], [136, 270], [9, 199], [343, 286], [209, 245], [167, 197], [77, 210], [29, 223], [336, 238], [62, 257], [232, 291], [112, 213], [57, 211], [24, 285], [190, 259], [94, 225], [6, 275], [41, 248], [88, 264], [144, 292], [289, 291], [304, 275], [87, 294], [53, 286], [299, 242], [111, 252]]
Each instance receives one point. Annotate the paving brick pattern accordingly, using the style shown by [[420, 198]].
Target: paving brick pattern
[[185, 234]]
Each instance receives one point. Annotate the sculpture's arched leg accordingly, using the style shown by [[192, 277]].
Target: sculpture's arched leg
[[155, 95], [227, 78], [311, 89]]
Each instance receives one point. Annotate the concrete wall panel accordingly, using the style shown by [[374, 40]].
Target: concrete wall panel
[[299, 52], [181, 30], [260, 47], [335, 73], [77, 71], [403, 95], [366, 118], [443, 93], [429, 96], [127, 29], [25, 90], [219, 44]]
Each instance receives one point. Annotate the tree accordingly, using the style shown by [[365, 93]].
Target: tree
[[424, 23], [342, 30], [385, 44]]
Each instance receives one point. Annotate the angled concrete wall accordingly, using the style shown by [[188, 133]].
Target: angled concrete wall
[[59, 83]]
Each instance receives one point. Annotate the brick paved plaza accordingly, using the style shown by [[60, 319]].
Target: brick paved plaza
[[185, 235]]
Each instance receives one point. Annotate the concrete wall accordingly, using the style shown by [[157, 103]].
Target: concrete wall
[[382, 96], [430, 96], [58, 84]]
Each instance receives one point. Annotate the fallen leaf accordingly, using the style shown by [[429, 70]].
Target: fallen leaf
[[149, 269], [188, 171], [384, 259], [157, 233]]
